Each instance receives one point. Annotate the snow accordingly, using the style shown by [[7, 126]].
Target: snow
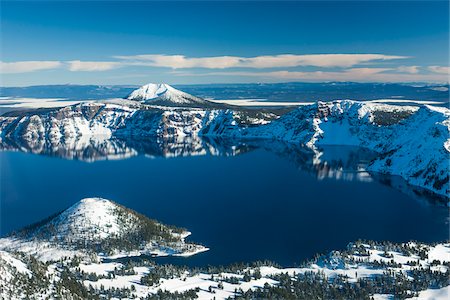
[[258, 102], [434, 294], [417, 150], [331, 265], [43, 251], [263, 102], [126, 281], [429, 294], [37, 102], [439, 252], [150, 91], [193, 252], [352, 272], [88, 222], [422, 102], [161, 91], [99, 269], [13, 262], [89, 212], [337, 133]]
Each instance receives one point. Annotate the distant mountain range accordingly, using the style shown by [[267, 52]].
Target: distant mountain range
[[285, 92]]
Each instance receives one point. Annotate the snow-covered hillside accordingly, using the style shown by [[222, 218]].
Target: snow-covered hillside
[[164, 94], [364, 270], [96, 226], [22, 277], [412, 141]]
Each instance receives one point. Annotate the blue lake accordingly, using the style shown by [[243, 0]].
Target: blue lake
[[257, 202]]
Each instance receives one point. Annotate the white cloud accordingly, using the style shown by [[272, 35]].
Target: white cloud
[[329, 67], [89, 66], [439, 69], [181, 62], [27, 66], [408, 69], [257, 62], [353, 74]]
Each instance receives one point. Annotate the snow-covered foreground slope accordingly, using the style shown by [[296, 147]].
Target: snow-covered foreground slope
[[412, 142], [96, 227], [362, 271]]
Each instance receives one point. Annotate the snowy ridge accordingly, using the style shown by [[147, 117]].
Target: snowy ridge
[[82, 119], [96, 226], [418, 150], [125, 119], [412, 141]]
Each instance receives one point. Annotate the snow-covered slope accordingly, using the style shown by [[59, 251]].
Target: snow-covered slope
[[365, 270], [412, 141], [23, 277], [418, 150], [10, 266], [164, 94], [14, 276], [95, 226]]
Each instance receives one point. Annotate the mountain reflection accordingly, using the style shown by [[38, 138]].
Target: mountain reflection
[[343, 163], [98, 147]]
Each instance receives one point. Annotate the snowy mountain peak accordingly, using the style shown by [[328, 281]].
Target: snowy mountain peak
[[151, 91], [90, 215], [88, 220], [96, 225], [164, 94]]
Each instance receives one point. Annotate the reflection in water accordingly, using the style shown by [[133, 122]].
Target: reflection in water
[[346, 163], [98, 147], [334, 162], [85, 148]]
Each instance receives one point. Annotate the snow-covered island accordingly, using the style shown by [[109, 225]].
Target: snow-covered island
[[73, 255], [96, 229]]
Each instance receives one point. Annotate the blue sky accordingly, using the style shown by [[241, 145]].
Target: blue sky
[[218, 42]]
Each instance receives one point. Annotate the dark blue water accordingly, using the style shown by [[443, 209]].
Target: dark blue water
[[254, 206]]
